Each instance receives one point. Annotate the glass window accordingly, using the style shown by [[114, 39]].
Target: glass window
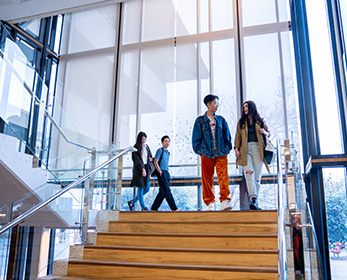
[[131, 21], [222, 15], [93, 29], [343, 9], [58, 33], [225, 85], [204, 69], [88, 98], [186, 20], [158, 19], [31, 26], [324, 80], [256, 12], [336, 216], [157, 95], [203, 16], [127, 100], [173, 79], [263, 80]]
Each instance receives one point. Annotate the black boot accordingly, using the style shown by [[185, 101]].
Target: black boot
[[131, 205], [254, 204]]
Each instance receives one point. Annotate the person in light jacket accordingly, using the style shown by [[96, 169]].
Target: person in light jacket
[[249, 149], [141, 176]]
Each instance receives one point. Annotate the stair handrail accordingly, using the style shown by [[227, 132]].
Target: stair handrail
[[282, 257], [44, 203], [51, 119]]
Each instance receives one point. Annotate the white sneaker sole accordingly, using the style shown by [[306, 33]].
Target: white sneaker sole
[[226, 208]]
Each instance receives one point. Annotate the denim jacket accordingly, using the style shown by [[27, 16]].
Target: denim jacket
[[202, 139]]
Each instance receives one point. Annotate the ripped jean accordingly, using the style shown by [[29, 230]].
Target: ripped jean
[[254, 164]]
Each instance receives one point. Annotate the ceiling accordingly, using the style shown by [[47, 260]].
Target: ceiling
[[15, 11]]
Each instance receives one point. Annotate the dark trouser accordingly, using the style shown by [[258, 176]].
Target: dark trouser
[[164, 192]]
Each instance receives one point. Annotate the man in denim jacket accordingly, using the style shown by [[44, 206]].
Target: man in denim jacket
[[211, 140]]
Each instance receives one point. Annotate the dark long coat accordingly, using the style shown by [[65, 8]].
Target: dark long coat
[[138, 180]]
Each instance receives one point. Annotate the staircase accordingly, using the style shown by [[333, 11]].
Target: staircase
[[182, 245]]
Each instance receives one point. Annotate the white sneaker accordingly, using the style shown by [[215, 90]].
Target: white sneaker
[[225, 206], [210, 207]]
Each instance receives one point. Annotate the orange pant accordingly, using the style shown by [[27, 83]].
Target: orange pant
[[207, 172]]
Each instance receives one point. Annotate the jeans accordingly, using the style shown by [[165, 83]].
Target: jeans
[[255, 165], [140, 192], [164, 192]]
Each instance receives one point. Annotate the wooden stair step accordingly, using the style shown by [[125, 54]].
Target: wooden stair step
[[199, 216], [123, 270], [246, 258], [198, 241], [195, 227]]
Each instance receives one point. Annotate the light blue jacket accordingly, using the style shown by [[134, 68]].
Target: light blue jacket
[[202, 139]]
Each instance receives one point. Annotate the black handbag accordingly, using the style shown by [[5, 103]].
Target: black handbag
[[151, 168], [155, 172]]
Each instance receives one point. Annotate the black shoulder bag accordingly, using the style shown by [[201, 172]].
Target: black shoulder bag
[[155, 172]]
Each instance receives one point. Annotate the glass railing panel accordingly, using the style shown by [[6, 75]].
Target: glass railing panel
[[65, 210], [188, 195], [68, 207], [4, 251], [4, 214], [306, 261]]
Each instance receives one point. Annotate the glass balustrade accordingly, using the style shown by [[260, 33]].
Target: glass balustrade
[[304, 259]]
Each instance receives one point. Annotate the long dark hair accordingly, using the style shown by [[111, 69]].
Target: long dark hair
[[138, 144], [253, 112]]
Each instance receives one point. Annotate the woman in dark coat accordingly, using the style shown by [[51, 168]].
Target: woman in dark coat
[[141, 172]]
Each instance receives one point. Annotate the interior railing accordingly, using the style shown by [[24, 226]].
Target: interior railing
[[301, 248], [85, 179]]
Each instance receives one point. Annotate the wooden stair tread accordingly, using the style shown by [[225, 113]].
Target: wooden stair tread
[[230, 251], [176, 266]]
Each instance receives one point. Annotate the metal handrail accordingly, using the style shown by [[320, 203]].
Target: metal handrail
[[282, 258], [44, 203], [45, 111]]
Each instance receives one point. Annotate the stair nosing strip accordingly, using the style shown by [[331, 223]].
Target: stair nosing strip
[[193, 222], [202, 212], [176, 266], [192, 250], [190, 235]]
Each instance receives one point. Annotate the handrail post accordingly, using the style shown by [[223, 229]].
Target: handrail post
[[85, 210], [282, 258], [91, 186], [119, 183]]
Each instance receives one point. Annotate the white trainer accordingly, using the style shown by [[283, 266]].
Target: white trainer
[[225, 206], [210, 207]]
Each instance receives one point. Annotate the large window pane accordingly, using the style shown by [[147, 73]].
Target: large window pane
[[158, 19], [131, 21], [204, 69], [186, 20], [263, 80], [127, 102], [221, 15], [324, 80], [93, 29], [256, 12], [225, 85], [203, 16], [157, 95]]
